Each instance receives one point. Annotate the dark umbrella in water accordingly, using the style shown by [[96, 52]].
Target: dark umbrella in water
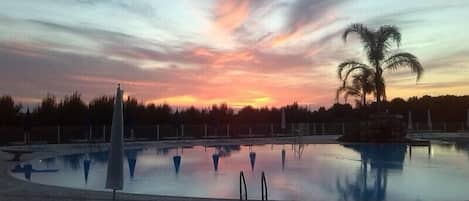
[[86, 169], [132, 161], [252, 159], [115, 165], [177, 163], [28, 169], [215, 158], [283, 159]]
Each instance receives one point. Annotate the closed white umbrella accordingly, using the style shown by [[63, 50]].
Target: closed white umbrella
[[115, 165], [409, 125], [429, 120]]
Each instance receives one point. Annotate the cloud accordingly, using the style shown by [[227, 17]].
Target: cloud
[[230, 14], [305, 14]]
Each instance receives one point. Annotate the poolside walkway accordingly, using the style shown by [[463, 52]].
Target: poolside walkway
[[12, 189]]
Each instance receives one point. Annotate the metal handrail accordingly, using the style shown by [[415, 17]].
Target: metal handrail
[[264, 187], [242, 181]]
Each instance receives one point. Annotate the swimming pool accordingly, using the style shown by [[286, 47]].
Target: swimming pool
[[293, 171]]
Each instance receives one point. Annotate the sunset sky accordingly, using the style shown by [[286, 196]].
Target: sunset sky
[[202, 52]]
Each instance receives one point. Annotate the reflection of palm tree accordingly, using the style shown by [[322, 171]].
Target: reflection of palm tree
[[361, 85], [377, 45], [381, 158]]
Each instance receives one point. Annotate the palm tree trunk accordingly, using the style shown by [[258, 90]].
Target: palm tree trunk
[[364, 97]]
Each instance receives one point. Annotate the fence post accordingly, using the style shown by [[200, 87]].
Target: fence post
[[315, 132], [444, 126], [58, 134], [205, 130], [90, 134], [343, 128], [323, 129], [157, 132], [271, 129], [104, 133], [182, 130], [228, 130]]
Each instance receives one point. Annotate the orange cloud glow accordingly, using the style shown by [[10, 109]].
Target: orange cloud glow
[[188, 100], [231, 14]]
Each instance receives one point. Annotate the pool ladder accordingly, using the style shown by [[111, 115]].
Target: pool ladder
[[242, 183]]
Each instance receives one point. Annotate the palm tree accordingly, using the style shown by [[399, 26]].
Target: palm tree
[[361, 85], [377, 45]]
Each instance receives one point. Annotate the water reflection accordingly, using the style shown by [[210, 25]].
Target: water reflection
[[314, 172], [283, 159], [131, 155], [86, 169], [381, 158], [73, 160], [28, 169], [215, 158]]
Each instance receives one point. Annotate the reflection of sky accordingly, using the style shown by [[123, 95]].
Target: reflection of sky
[[205, 52], [315, 175]]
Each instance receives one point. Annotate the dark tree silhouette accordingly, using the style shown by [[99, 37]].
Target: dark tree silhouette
[[47, 113], [9, 111], [361, 85], [377, 45]]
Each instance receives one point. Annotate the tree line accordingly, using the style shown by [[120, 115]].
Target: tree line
[[72, 110]]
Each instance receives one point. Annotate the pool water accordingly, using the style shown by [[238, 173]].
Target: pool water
[[293, 171]]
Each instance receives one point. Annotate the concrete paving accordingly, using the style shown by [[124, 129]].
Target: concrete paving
[[12, 189]]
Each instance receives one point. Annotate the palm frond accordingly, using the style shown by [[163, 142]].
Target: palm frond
[[347, 91], [404, 59], [389, 32], [350, 66], [360, 29]]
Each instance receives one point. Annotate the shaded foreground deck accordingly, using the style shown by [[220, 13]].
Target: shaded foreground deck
[[12, 189]]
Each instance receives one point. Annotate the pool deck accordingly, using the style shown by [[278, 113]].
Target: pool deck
[[12, 189]]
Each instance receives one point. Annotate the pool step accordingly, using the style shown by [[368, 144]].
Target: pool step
[[242, 183]]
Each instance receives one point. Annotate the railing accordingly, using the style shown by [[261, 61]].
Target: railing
[[242, 183], [101, 133], [264, 187]]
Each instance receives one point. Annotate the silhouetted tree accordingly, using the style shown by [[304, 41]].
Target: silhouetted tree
[[47, 112], [361, 85], [72, 110], [377, 45], [9, 111], [100, 110]]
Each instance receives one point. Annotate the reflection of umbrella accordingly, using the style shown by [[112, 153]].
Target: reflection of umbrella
[[115, 166], [283, 159], [28, 168], [215, 158], [177, 163], [131, 161], [284, 121], [86, 168], [252, 159]]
